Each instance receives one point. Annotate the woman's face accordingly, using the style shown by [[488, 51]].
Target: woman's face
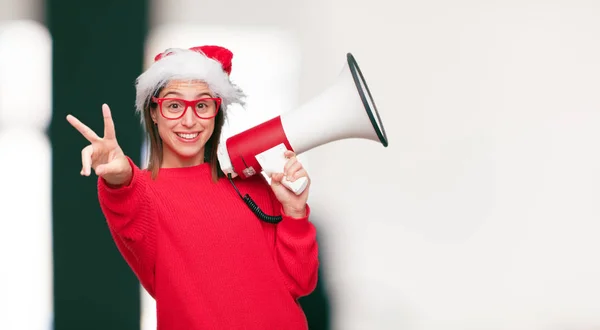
[[184, 138]]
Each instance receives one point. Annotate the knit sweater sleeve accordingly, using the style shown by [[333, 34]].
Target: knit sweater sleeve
[[295, 251], [131, 218]]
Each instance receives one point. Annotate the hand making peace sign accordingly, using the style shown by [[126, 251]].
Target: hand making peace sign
[[103, 154]]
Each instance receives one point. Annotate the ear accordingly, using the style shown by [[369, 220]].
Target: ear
[[153, 115]]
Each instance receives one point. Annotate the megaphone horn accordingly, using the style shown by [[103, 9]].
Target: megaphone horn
[[344, 110]]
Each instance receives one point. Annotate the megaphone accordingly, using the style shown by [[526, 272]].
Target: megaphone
[[345, 110]]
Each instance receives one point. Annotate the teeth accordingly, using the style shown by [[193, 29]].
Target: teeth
[[187, 136]]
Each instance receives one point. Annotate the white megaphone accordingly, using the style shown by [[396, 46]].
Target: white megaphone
[[344, 110]]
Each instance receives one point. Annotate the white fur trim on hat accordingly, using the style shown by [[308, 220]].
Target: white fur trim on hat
[[185, 64]]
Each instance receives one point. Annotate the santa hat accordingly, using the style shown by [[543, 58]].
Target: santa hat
[[211, 64]]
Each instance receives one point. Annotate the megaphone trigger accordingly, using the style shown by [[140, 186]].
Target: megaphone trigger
[[273, 161]]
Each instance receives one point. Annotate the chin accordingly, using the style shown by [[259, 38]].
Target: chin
[[188, 153]]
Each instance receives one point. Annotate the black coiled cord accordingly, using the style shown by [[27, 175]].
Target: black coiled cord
[[253, 207]]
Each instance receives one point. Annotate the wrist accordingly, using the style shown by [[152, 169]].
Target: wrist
[[119, 180], [295, 212], [113, 182]]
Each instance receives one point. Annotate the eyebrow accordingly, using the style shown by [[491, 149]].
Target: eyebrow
[[179, 94], [172, 92]]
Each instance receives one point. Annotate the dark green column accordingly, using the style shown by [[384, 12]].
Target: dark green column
[[97, 54]]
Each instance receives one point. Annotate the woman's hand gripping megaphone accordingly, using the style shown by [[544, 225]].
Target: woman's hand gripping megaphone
[[272, 161], [289, 180], [282, 166]]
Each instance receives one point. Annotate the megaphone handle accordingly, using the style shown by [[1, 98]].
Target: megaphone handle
[[298, 186], [273, 160]]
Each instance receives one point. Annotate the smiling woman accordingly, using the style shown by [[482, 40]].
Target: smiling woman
[[271, 83], [209, 262]]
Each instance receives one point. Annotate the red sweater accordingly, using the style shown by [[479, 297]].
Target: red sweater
[[209, 262]]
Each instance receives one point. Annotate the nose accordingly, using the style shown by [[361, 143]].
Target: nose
[[188, 118]]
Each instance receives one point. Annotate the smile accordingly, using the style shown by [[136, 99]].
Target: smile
[[188, 136]]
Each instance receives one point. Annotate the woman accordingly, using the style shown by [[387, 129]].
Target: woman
[[209, 262]]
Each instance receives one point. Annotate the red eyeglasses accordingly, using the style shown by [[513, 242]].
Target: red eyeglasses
[[175, 108]]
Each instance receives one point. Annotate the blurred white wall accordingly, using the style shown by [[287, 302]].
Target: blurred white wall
[[22, 9], [25, 168], [482, 212]]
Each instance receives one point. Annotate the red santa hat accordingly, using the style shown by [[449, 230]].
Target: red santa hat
[[211, 64]]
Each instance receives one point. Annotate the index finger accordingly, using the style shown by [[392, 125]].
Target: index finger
[[109, 125], [82, 128]]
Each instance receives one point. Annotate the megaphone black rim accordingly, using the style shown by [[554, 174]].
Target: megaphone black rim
[[358, 77]]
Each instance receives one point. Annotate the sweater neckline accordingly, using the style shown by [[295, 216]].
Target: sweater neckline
[[187, 170]]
